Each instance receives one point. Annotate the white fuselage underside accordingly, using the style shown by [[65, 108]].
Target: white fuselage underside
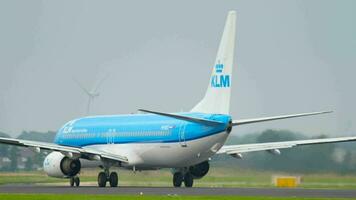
[[163, 155]]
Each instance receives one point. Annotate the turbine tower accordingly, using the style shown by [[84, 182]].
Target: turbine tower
[[93, 93]]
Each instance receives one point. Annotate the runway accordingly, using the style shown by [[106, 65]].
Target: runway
[[275, 192]]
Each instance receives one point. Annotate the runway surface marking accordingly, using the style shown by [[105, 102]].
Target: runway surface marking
[[275, 192]]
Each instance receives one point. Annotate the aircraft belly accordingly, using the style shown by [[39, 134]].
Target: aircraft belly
[[167, 155]]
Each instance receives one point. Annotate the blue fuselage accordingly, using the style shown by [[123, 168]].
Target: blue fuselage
[[137, 128]]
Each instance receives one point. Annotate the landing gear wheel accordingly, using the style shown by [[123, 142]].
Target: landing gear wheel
[[76, 181], [113, 179], [177, 179], [102, 179], [71, 181], [188, 180]]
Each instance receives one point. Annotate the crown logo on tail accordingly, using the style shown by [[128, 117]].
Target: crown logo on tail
[[219, 67]]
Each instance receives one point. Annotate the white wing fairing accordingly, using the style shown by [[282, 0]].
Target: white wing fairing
[[244, 148], [86, 153]]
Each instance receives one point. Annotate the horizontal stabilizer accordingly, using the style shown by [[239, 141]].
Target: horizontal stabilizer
[[186, 118], [264, 119]]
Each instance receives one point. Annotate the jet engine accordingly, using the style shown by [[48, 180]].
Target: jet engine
[[60, 166], [199, 170]]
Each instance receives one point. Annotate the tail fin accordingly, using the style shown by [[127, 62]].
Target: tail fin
[[217, 96]]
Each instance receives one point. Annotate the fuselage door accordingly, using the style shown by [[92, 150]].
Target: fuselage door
[[181, 134], [110, 136]]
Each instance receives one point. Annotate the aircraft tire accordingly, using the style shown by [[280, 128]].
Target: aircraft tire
[[188, 180], [76, 181], [177, 179], [113, 179], [102, 179], [71, 181]]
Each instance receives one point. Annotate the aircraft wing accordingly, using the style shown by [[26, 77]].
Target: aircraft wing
[[275, 146], [85, 153]]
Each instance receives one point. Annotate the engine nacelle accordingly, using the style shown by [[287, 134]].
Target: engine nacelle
[[60, 166], [199, 170]]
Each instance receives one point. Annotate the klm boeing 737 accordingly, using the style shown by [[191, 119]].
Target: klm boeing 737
[[183, 142]]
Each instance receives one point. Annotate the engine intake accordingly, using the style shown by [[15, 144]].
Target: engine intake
[[70, 167]]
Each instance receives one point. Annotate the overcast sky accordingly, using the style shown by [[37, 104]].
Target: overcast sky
[[291, 57]]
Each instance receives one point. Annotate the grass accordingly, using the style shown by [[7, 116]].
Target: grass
[[112, 197], [26, 177], [217, 177]]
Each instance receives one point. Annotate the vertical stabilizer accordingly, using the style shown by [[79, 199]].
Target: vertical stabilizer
[[217, 96]]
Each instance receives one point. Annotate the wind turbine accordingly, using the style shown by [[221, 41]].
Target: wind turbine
[[93, 93]]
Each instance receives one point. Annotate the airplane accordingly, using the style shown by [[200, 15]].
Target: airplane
[[183, 142]]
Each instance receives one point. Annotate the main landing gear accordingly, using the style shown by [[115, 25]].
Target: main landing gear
[[106, 176], [74, 181], [178, 178]]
